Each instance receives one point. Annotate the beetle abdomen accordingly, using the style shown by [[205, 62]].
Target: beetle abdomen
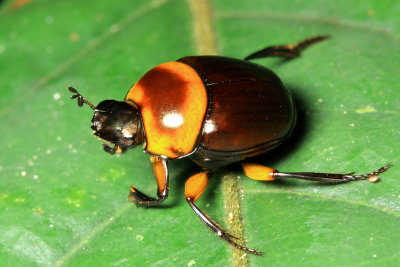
[[248, 108]]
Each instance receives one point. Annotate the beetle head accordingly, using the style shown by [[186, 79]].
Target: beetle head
[[115, 122], [119, 123]]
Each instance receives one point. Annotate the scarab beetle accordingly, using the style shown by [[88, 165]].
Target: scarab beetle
[[216, 111]]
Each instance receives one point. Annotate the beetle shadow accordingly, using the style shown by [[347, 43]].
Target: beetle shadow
[[273, 63], [299, 134], [279, 62]]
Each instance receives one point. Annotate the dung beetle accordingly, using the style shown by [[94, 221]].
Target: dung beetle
[[214, 110]]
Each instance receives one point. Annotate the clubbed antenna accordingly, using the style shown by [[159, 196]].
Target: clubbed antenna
[[80, 98]]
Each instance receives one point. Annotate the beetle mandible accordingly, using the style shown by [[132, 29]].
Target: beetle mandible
[[216, 111]]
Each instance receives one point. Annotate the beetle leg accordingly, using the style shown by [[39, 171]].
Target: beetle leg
[[160, 169], [287, 51], [114, 149], [260, 172], [194, 188]]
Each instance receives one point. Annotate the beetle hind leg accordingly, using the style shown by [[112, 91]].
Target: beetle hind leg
[[194, 188], [286, 51], [263, 173]]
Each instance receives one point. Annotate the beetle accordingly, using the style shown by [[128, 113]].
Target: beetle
[[214, 110]]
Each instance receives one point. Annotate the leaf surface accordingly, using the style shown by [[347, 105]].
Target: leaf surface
[[63, 201]]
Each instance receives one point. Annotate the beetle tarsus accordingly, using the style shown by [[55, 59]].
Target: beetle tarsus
[[218, 230], [333, 177], [141, 200], [286, 51], [373, 174]]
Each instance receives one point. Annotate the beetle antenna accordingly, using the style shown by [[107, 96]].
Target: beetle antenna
[[80, 98]]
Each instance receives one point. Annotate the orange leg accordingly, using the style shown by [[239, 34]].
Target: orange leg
[[160, 169], [263, 173], [194, 188]]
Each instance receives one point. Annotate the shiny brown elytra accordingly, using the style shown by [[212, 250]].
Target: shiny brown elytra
[[214, 110]]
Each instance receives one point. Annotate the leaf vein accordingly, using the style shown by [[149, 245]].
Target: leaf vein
[[303, 19], [387, 210], [91, 235], [89, 47]]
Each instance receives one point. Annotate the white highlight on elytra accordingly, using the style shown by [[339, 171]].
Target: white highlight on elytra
[[172, 120], [209, 127]]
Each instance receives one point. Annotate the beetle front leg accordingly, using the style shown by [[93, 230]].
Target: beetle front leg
[[160, 169], [263, 173], [114, 149], [194, 188]]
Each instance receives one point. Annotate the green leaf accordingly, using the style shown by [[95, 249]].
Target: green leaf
[[63, 201]]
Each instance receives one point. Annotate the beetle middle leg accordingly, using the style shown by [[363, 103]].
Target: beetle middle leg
[[286, 51], [160, 169], [263, 173], [194, 188]]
